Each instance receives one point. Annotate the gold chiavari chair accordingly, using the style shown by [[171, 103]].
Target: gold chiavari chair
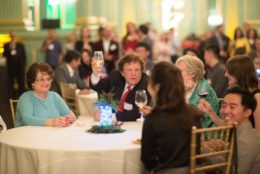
[[216, 149], [68, 93], [13, 105]]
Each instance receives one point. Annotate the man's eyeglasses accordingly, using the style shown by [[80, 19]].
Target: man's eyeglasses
[[48, 79]]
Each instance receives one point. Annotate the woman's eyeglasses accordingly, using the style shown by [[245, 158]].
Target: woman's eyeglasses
[[48, 79]]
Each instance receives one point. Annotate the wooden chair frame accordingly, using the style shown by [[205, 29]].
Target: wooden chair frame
[[223, 134], [68, 93], [13, 106]]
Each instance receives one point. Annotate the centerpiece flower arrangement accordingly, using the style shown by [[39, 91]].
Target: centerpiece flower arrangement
[[107, 105]]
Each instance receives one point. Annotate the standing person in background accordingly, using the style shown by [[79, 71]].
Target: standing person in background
[[252, 35], [222, 41], [192, 70], [109, 47], [256, 52], [162, 50], [245, 28], [240, 44], [216, 70], [175, 44], [166, 135], [39, 106], [143, 51], [16, 60], [84, 43], [72, 39], [52, 49], [130, 39], [143, 32]]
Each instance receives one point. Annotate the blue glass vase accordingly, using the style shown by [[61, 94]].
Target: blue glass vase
[[105, 115]]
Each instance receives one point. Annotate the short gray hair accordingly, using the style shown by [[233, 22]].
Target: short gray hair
[[194, 66]]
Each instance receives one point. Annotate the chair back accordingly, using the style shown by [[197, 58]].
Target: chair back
[[216, 149], [13, 105], [68, 93]]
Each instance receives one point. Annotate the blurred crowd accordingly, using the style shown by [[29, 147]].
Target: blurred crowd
[[211, 73]]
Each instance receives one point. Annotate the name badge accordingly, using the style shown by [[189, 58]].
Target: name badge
[[128, 106], [13, 52], [51, 47]]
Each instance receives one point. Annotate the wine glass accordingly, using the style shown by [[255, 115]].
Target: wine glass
[[99, 58], [141, 101], [203, 90]]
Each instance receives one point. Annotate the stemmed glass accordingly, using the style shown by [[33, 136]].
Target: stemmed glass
[[99, 58], [141, 101], [203, 90]]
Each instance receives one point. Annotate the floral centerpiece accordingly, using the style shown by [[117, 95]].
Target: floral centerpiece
[[107, 105]]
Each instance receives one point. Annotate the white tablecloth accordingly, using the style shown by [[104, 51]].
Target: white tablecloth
[[86, 103], [48, 150]]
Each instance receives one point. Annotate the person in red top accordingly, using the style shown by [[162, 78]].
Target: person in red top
[[130, 39]]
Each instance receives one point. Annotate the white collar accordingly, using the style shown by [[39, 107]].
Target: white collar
[[71, 70]]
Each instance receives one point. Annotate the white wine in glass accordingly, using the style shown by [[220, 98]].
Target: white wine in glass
[[141, 100], [98, 56]]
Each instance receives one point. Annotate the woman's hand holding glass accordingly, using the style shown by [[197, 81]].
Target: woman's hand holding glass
[[146, 110], [141, 101]]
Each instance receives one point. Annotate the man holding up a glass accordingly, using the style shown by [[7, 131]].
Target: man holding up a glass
[[123, 83]]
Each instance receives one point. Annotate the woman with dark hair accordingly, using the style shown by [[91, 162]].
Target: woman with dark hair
[[252, 35], [240, 44], [240, 72], [84, 68], [167, 129], [84, 42], [39, 106]]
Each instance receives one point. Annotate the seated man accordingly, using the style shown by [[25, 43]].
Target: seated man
[[68, 73], [128, 80], [238, 106]]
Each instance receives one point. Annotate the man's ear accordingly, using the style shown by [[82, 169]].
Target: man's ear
[[122, 73], [248, 112]]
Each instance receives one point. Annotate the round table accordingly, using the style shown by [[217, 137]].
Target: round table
[[49, 150]]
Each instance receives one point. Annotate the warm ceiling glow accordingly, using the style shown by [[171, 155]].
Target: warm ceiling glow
[[172, 13]]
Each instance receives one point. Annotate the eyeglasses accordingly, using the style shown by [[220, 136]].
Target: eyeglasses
[[41, 80]]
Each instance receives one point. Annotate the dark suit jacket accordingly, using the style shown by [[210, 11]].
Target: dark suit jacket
[[79, 46], [62, 75], [115, 83], [214, 41], [113, 50], [18, 59]]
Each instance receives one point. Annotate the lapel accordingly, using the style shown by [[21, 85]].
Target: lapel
[[66, 71]]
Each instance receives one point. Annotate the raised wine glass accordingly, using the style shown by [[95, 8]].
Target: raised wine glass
[[141, 101], [99, 58], [203, 90]]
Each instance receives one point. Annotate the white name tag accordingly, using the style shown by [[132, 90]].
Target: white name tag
[[13, 52], [128, 106], [51, 47]]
